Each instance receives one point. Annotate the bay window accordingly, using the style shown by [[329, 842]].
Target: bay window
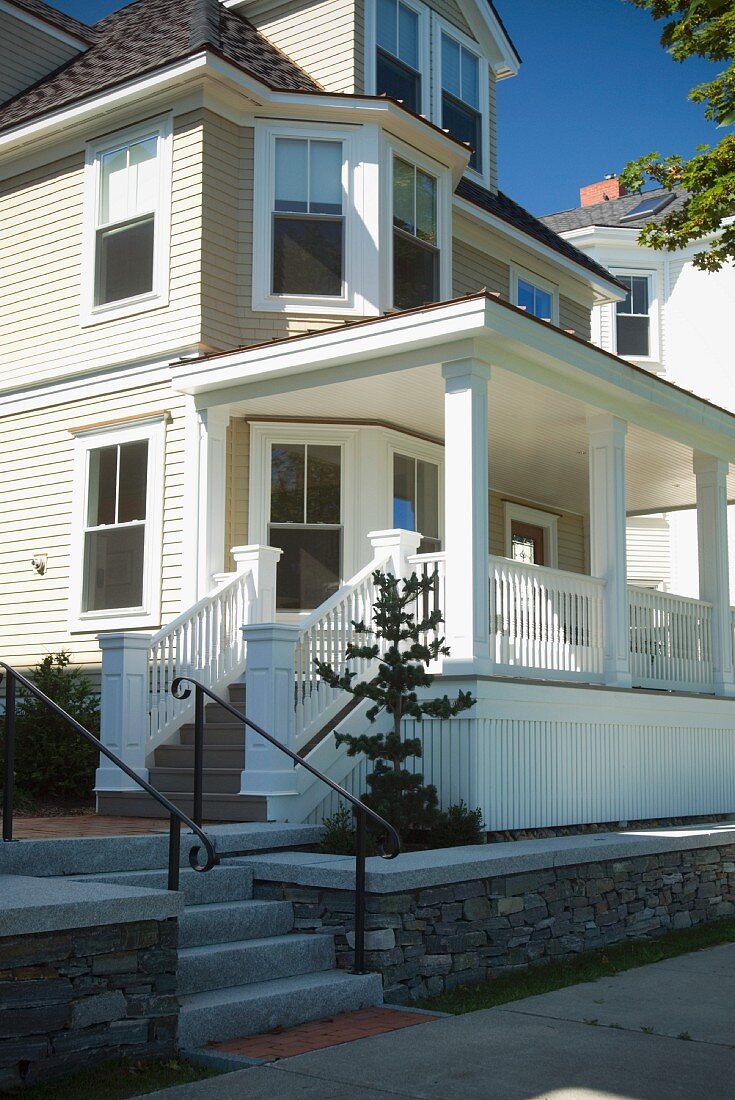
[[461, 100], [398, 52], [415, 236], [416, 499]]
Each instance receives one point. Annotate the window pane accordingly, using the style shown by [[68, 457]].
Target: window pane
[[543, 304], [451, 81], [386, 29], [464, 123], [415, 272], [425, 207], [408, 36], [102, 491], [397, 81], [113, 568], [404, 492], [323, 484], [640, 294], [287, 482], [307, 256], [632, 335], [525, 295], [325, 167], [143, 177], [470, 79], [292, 176], [403, 195], [113, 186], [626, 306], [124, 261], [133, 481], [310, 567], [427, 494]]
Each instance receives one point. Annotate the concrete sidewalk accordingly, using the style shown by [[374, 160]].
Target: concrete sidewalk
[[661, 1032]]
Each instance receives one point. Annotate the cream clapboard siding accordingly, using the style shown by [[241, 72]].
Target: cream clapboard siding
[[36, 484], [648, 542], [40, 271], [228, 319], [570, 532], [26, 55], [575, 315], [472, 270], [320, 37], [238, 486]]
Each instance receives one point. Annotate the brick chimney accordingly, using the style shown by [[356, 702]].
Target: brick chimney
[[606, 189]]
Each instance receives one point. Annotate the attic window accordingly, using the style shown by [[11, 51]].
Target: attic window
[[398, 52]]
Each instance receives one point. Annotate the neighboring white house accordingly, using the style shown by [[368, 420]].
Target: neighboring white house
[[269, 325], [677, 321]]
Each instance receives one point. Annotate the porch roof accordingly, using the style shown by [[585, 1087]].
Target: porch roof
[[546, 382]]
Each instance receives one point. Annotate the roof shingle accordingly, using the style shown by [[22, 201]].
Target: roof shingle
[[610, 214]]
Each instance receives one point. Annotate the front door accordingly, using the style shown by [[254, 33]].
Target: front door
[[527, 543]]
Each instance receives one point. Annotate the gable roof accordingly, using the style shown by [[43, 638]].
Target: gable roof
[[504, 29], [147, 35], [611, 213], [55, 18], [519, 218]]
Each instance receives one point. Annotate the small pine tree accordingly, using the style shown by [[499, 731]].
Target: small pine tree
[[398, 795]]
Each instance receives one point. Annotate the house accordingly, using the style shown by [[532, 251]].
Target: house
[[269, 325], [675, 321]]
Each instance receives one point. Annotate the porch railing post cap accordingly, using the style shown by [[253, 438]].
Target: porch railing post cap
[[128, 639]]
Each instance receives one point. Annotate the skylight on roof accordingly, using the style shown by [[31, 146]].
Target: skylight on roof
[[650, 206]]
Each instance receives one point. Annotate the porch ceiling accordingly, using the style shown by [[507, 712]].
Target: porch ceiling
[[538, 436]]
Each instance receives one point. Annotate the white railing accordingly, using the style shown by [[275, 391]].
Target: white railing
[[426, 565], [324, 636], [546, 621], [206, 642], [670, 640]]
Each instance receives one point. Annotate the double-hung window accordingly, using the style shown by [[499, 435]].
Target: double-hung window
[[128, 221], [416, 499], [415, 236], [308, 231], [398, 52], [461, 98], [306, 522], [633, 317]]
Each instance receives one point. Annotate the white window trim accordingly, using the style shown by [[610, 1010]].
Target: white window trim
[[394, 148], [441, 26], [371, 47], [654, 350], [547, 520], [91, 314], [153, 430], [360, 222], [527, 276], [422, 451]]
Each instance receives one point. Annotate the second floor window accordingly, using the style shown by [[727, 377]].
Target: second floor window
[[415, 236], [126, 221], [461, 105], [397, 65], [633, 321], [308, 221]]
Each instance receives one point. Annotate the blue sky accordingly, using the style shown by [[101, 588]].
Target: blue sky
[[595, 90]]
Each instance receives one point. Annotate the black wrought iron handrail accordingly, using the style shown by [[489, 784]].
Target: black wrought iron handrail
[[177, 817], [180, 691]]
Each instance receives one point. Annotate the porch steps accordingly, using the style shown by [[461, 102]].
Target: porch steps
[[243, 967]]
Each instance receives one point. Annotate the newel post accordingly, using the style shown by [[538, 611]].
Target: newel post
[[262, 562], [124, 700], [399, 544], [270, 678]]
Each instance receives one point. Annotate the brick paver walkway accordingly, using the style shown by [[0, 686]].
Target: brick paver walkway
[[44, 828], [320, 1034]]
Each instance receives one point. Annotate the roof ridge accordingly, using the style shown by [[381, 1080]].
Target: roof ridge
[[204, 25]]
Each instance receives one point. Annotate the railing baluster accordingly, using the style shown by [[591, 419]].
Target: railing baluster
[[9, 774]]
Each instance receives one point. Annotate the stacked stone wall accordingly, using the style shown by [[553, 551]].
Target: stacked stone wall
[[76, 996], [426, 941]]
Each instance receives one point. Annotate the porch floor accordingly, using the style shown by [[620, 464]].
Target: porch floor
[[87, 824]]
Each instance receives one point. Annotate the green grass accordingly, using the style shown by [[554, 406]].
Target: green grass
[[115, 1081], [545, 977]]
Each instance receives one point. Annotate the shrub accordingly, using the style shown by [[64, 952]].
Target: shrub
[[52, 761], [340, 837], [456, 826]]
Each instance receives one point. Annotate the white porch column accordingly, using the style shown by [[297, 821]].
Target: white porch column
[[466, 504], [269, 702], [714, 578], [262, 560], [123, 708], [399, 544], [607, 539], [205, 495]]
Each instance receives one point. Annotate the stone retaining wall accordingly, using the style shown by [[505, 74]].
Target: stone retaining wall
[[430, 940], [86, 994]]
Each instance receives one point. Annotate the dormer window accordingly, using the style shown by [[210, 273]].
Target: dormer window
[[398, 52], [460, 85], [534, 294]]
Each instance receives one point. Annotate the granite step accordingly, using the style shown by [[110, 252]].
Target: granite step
[[245, 962], [229, 921], [229, 883]]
